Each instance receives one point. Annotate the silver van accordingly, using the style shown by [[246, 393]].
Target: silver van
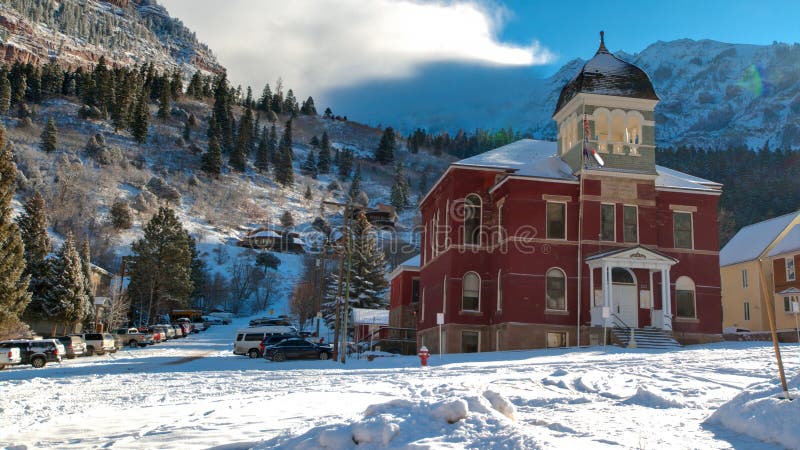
[[248, 340]]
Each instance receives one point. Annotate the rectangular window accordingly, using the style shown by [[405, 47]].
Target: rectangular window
[[790, 273], [414, 291], [744, 278], [607, 219], [684, 301], [470, 342], [746, 310], [422, 308], [787, 304], [682, 229], [556, 220], [556, 339], [631, 223]]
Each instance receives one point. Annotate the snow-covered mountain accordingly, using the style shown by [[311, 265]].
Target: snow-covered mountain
[[712, 94], [78, 32]]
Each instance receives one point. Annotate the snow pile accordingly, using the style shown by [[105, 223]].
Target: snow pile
[[649, 399], [480, 421], [760, 412]]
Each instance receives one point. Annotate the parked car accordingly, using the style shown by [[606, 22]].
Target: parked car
[[134, 338], [170, 332], [212, 320], [178, 331], [37, 352], [226, 317], [273, 339], [73, 346], [10, 356], [199, 326], [159, 335], [99, 343], [248, 340], [264, 321], [187, 325], [297, 348]]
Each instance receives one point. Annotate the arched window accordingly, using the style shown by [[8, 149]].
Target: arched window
[[472, 220], [685, 299], [471, 292], [617, 129], [601, 127], [556, 290], [622, 276]]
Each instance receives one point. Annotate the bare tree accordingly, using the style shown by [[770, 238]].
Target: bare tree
[[303, 303], [264, 289], [116, 313], [242, 281]]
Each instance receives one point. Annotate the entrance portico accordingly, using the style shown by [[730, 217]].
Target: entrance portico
[[610, 307]]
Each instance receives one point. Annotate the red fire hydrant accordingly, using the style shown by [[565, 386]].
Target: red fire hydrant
[[423, 355]]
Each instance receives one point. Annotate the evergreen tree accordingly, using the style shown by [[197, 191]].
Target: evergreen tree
[[265, 99], [309, 166], [176, 85], [345, 164], [238, 157], [287, 220], [33, 230], [5, 92], [308, 195], [290, 104], [400, 190], [198, 268], [49, 136], [160, 267], [14, 295], [314, 142], [222, 113], [68, 292], [121, 215], [272, 145], [212, 159], [262, 152], [324, 159], [141, 118], [328, 113], [187, 131], [163, 101], [384, 154], [308, 107], [355, 185], [195, 88], [120, 113], [284, 172]]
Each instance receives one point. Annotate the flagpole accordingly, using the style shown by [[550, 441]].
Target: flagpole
[[580, 221]]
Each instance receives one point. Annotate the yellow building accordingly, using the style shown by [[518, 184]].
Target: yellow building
[[767, 245]]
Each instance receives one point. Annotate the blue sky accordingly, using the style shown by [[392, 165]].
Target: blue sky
[[570, 29]]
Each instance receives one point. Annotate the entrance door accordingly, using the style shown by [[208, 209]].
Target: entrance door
[[626, 307]]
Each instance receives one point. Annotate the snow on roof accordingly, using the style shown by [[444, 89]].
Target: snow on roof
[[751, 240], [370, 316], [265, 234], [539, 159], [525, 157], [790, 242], [411, 262]]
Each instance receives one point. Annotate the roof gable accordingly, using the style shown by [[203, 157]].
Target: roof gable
[[751, 240]]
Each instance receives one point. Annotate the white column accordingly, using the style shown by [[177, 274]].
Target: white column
[[610, 290], [665, 300], [591, 289]]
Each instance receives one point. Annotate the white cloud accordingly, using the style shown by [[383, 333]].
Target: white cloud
[[316, 45]]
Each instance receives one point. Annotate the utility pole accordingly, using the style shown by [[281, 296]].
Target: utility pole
[[341, 322]]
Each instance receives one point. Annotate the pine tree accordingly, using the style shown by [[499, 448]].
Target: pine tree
[[187, 131], [49, 136], [262, 152], [198, 267], [70, 302], [384, 154], [238, 157], [176, 85], [308, 195], [355, 184], [140, 119], [265, 99], [314, 142], [400, 190], [324, 159], [272, 145], [284, 172], [287, 220], [308, 108], [290, 104], [222, 113], [195, 88], [345, 164], [14, 295], [309, 166], [5, 92], [160, 268], [163, 101], [212, 159], [33, 229]]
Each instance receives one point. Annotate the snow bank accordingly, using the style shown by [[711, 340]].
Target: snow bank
[[479, 421], [760, 413], [649, 399]]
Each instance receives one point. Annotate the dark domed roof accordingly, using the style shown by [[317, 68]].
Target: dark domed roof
[[605, 74]]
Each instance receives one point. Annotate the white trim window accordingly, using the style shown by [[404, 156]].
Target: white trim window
[[556, 220], [630, 223], [685, 298], [471, 292], [746, 310], [791, 275], [556, 290], [608, 219], [682, 232], [472, 220], [744, 278]]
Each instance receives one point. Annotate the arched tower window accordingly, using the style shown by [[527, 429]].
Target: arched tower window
[[601, 128], [472, 220], [471, 292], [617, 129], [685, 299], [556, 290]]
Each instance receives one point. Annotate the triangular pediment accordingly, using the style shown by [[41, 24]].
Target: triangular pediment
[[634, 257]]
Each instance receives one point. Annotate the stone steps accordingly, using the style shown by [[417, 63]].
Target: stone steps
[[645, 338]]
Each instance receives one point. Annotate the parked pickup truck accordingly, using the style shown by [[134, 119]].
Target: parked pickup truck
[[98, 343], [134, 338], [9, 356]]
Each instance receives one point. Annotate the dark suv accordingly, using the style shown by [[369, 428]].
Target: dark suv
[[273, 339], [37, 352], [296, 348]]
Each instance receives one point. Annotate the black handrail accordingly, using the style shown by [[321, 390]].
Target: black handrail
[[618, 319]]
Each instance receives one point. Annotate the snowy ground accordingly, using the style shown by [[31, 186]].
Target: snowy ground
[[194, 393]]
